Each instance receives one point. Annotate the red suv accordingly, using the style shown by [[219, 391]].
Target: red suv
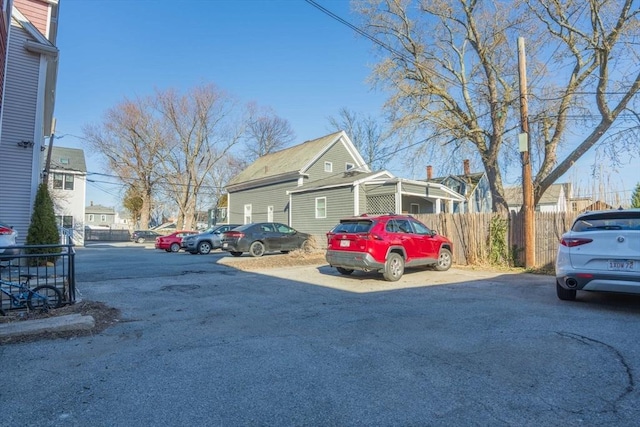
[[386, 243]]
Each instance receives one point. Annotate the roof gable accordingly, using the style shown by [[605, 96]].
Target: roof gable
[[67, 159], [294, 161], [513, 195]]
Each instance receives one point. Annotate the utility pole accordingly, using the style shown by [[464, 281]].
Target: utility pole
[[525, 146]]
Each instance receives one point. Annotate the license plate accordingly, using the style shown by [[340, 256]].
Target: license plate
[[344, 243], [621, 265], [224, 245]]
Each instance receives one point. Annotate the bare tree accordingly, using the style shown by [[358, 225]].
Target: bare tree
[[202, 129], [266, 132], [367, 134], [452, 70], [133, 144]]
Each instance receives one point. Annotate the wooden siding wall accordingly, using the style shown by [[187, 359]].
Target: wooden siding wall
[[338, 156], [36, 11], [260, 198], [470, 234], [18, 124], [303, 211]]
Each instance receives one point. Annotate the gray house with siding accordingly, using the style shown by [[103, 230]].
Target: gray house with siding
[[27, 107], [312, 185], [473, 186]]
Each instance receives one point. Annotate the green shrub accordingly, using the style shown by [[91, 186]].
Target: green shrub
[[43, 229]]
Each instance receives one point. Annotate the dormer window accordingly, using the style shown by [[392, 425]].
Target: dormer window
[[64, 160], [328, 167]]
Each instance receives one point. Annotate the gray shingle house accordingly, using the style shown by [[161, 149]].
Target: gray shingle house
[[312, 185], [473, 186]]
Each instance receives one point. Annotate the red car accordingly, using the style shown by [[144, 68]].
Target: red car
[[172, 242], [386, 244]]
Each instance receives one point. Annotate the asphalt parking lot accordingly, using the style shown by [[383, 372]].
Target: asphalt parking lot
[[203, 343]]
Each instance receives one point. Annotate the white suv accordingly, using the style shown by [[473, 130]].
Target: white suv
[[7, 238], [601, 252]]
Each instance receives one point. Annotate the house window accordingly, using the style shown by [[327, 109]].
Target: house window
[[90, 217], [348, 166], [57, 180], [62, 180], [64, 160], [269, 213], [415, 208], [247, 214], [321, 207], [103, 218], [328, 167], [64, 221], [68, 182]]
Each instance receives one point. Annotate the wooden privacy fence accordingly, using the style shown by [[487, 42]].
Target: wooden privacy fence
[[473, 245]]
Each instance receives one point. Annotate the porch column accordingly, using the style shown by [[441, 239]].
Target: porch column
[[450, 206], [437, 206], [356, 200], [399, 197]]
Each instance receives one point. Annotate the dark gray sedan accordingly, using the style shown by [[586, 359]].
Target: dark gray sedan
[[261, 237]]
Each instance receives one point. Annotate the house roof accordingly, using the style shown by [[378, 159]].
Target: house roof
[[344, 179], [293, 161], [471, 180], [513, 195], [98, 209], [67, 159]]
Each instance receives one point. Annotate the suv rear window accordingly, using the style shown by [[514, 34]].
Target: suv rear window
[[608, 221], [353, 226]]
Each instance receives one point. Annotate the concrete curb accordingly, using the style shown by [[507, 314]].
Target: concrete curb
[[70, 322]]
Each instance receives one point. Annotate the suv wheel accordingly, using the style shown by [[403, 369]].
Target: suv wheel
[[204, 248], [565, 294], [393, 268], [444, 260]]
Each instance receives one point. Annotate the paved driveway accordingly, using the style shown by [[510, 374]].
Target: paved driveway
[[202, 343]]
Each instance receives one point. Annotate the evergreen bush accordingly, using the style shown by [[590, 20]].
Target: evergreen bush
[[43, 229]]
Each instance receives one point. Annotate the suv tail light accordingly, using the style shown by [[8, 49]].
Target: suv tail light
[[571, 242], [5, 231]]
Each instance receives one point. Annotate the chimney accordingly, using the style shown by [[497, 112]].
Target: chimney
[[467, 171], [429, 172]]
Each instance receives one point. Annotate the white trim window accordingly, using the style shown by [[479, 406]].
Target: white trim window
[[62, 181], [328, 167], [247, 214], [321, 207], [103, 218], [90, 217]]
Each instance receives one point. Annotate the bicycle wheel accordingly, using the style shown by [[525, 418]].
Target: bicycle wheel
[[44, 297]]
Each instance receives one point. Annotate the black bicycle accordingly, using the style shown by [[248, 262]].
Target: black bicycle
[[42, 298]]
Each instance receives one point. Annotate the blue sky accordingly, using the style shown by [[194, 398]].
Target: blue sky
[[283, 54]]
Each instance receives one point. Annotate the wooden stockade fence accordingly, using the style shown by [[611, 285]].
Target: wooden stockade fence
[[471, 232]]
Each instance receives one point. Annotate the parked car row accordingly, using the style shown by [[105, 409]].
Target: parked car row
[[383, 243], [601, 251]]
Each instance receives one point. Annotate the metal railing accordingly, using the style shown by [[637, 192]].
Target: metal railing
[[44, 265]]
